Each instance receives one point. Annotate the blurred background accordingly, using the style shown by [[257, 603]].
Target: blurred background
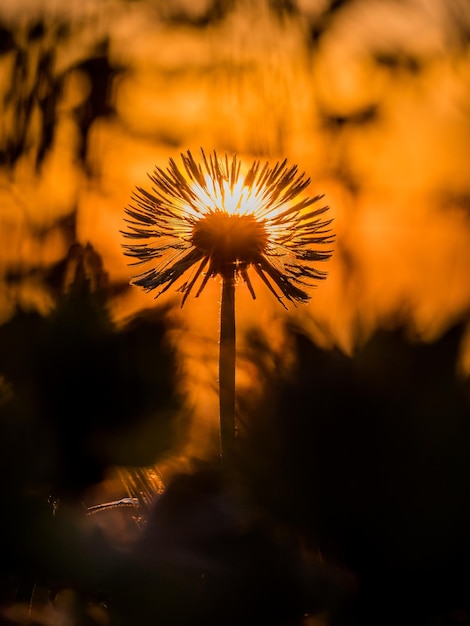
[[350, 504]]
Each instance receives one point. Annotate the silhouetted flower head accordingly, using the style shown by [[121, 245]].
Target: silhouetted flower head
[[209, 218]]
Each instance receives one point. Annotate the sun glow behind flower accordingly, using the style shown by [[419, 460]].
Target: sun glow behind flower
[[215, 221], [234, 199]]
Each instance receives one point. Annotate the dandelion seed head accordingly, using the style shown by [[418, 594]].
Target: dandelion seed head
[[208, 219]]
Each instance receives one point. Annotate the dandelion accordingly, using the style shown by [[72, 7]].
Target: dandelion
[[210, 218]]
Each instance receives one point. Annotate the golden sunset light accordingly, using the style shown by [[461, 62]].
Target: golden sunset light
[[239, 215]]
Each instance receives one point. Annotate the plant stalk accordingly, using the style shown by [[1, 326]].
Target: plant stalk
[[227, 370]]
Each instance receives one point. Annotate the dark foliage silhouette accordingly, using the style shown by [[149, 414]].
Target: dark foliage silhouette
[[369, 457], [86, 389], [78, 396]]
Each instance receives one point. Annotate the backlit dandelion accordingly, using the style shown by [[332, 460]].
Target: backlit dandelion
[[209, 219]]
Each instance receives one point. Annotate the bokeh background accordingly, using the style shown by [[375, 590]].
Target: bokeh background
[[353, 410]]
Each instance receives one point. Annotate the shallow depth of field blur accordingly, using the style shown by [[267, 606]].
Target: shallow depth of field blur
[[350, 505]]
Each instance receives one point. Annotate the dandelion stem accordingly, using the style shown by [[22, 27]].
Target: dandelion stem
[[227, 369]]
